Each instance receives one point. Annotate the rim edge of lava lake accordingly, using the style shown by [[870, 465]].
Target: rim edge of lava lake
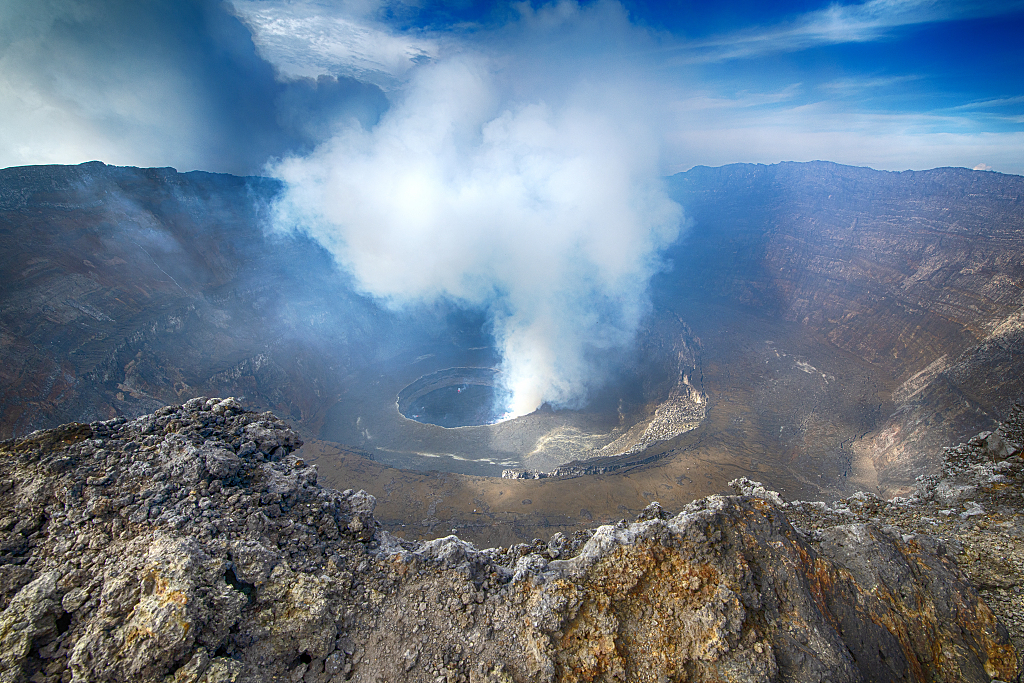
[[452, 398]]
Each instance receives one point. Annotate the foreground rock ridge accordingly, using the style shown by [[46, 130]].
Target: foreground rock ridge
[[192, 545]]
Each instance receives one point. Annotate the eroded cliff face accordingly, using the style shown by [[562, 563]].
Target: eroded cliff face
[[919, 274], [192, 545]]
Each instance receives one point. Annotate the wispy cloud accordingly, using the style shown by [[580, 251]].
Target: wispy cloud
[[991, 104], [703, 100], [824, 130], [852, 86], [836, 24], [307, 39]]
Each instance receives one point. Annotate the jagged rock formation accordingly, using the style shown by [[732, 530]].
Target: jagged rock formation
[[191, 545], [973, 506]]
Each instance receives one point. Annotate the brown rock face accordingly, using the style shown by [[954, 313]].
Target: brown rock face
[[192, 544], [729, 591]]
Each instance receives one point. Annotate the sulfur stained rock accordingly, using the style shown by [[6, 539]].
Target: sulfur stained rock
[[730, 591], [153, 615], [190, 546], [921, 610]]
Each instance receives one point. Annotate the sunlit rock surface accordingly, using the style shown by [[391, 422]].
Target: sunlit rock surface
[[192, 544]]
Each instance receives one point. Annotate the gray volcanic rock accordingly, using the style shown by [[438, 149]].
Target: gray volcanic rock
[[190, 545]]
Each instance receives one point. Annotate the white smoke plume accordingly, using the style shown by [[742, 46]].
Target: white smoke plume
[[494, 185]]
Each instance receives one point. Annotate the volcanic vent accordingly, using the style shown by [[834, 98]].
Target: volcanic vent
[[455, 397]]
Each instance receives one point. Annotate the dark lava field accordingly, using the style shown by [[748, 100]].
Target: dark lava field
[[820, 328]]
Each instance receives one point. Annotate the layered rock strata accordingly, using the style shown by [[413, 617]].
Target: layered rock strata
[[916, 273], [191, 545]]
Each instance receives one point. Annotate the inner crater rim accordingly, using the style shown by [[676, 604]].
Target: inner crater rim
[[454, 397]]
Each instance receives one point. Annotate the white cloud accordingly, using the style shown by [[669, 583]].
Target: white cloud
[[991, 104], [699, 101], [307, 39], [720, 134], [861, 84]]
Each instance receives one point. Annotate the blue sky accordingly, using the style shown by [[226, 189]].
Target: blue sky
[[891, 84]]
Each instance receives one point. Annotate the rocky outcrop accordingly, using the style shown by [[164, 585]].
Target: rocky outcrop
[[192, 545], [972, 507]]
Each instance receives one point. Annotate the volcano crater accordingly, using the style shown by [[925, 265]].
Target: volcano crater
[[454, 397]]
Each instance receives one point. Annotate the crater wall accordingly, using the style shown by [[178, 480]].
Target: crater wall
[[918, 274]]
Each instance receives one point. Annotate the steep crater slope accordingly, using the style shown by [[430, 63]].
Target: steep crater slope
[[918, 275], [125, 289], [191, 543]]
